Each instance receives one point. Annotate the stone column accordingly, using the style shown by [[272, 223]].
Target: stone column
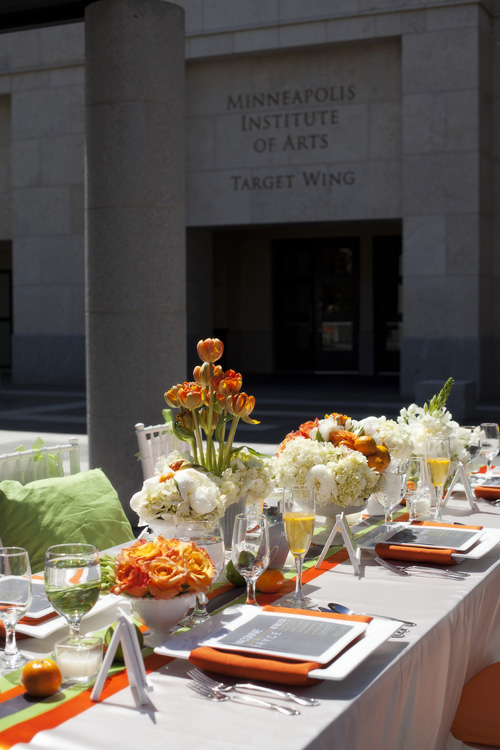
[[445, 203], [135, 228]]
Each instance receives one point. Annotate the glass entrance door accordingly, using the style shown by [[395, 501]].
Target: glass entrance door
[[316, 304]]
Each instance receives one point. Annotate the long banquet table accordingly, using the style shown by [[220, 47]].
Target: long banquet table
[[404, 695]]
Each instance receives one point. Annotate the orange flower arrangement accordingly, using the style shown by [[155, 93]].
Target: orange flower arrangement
[[161, 569], [209, 403]]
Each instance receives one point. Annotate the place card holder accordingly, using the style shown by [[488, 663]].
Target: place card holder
[[349, 542], [134, 664], [461, 475]]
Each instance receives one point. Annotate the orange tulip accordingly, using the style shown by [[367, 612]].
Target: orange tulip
[[210, 350], [201, 373], [231, 383], [191, 395], [185, 419], [240, 405], [171, 397], [217, 376]]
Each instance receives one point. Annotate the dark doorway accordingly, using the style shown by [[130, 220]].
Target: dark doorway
[[316, 304], [387, 302]]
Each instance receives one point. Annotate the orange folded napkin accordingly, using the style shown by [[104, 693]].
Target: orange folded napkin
[[487, 493], [266, 668], [421, 554]]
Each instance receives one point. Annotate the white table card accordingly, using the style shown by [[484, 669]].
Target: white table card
[[134, 664]]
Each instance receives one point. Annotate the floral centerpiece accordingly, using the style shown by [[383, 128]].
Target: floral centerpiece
[[158, 569], [433, 419], [161, 578], [336, 457], [200, 484]]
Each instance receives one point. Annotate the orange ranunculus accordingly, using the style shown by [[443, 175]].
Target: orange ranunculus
[[171, 397], [210, 350], [306, 428], [201, 373], [230, 383], [185, 419], [130, 578], [166, 577], [201, 569], [191, 395]]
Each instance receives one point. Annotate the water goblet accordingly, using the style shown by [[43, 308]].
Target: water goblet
[[250, 549], [489, 443], [473, 447], [72, 581], [438, 453], [395, 487], [15, 600], [298, 519], [414, 476], [211, 538]]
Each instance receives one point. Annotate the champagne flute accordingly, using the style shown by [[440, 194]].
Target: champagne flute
[[298, 519], [413, 486], [438, 462], [489, 443], [15, 600], [250, 549], [211, 538], [72, 581]]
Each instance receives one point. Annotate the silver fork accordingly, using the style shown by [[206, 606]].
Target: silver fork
[[414, 570], [248, 700], [222, 687]]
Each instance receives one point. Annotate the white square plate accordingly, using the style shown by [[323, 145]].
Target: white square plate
[[377, 632]]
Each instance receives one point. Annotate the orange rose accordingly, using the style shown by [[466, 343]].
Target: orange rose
[[200, 568], [166, 577], [140, 550], [130, 578]]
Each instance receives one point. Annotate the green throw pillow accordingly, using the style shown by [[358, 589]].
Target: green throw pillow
[[81, 507]]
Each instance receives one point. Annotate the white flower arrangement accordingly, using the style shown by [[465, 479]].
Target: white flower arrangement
[[191, 493], [339, 475], [423, 424]]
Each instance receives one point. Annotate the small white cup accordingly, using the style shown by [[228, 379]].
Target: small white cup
[[79, 659]]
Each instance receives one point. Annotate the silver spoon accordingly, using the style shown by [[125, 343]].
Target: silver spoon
[[341, 609]]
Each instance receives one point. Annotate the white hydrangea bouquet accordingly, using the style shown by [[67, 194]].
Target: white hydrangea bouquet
[[200, 484], [336, 457]]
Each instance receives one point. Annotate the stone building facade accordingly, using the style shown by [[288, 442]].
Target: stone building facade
[[342, 197]]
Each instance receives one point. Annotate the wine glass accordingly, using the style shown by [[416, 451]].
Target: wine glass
[[413, 486], [438, 453], [15, 600], [298, 519], [395, 487], [250, 549], [473, 447], [211, 538], [72, 581], [489, 443]]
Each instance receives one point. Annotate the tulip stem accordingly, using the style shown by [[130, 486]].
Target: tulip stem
[[198, 437], [210, 443], [229, 444]]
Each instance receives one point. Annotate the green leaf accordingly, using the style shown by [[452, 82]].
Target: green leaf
[[19, 448], [39, 443], [250, 450]]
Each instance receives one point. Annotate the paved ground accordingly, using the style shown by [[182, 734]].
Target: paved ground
[[54, 414]]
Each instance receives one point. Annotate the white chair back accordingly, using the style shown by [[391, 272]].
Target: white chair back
[[155, 441], [40, 463]]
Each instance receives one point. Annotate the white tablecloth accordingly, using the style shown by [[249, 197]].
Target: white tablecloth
[[403, 696]]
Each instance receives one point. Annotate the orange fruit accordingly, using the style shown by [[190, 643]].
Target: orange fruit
[[379, 460], [41, 677], [270, 581], [365, 445]]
